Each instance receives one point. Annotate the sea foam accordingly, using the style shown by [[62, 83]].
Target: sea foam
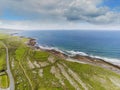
[[74, 53]]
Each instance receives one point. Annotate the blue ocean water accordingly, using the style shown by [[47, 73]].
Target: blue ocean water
[[95, 43]]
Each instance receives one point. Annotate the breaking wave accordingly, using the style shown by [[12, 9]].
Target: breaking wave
[[74, 53]]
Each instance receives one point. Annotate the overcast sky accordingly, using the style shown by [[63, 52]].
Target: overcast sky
[[60, 14]]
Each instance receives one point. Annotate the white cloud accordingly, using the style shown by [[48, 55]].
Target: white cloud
[[29, 25], [90, 11], [55, 12]]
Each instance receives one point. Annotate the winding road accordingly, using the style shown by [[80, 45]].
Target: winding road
[[12, 85]]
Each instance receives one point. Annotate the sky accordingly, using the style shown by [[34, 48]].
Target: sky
[[60, 14]]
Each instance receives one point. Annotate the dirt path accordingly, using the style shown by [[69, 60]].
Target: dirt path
[[26, 76]]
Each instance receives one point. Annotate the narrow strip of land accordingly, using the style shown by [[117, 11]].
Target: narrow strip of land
[[12, 85]]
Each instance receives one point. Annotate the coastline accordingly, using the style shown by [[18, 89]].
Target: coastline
[[49, 65], [78, 58]]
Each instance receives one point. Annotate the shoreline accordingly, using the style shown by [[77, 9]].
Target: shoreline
[[87, 60], [40, 68], [114, 61], [76, 58]]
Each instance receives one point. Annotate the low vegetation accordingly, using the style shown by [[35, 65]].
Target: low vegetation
[[35, 69], [4, 81], [2, 60]]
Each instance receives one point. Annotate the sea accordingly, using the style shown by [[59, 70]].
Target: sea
[[99, 44]]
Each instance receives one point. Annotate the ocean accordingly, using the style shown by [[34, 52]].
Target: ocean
[[100, 44]]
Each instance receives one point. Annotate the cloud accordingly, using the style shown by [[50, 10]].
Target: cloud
[[61, 11], [29, 25], [90, 11]]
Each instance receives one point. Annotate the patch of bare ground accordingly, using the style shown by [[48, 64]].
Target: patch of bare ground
[[41, 72], [55, 71], [115, 81], [31, 66], [43, 64], [68, 77], [36, 64], [51, 59], [34, 72], [76, 77], [12, 63]]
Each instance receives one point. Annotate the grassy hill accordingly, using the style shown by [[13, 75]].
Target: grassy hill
[[35, 69]]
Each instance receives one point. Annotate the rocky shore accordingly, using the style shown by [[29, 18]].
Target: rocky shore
[[78, 58]]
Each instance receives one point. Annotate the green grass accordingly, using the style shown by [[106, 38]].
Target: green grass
[[3, 36], [94, 77], [4, 81], [20, 53], [40, 55], [2, 58], [2, 62], [48, 80], [21, 82]]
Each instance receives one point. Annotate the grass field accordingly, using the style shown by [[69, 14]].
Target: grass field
[[40, 70], [2, 58], [4, 81]]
